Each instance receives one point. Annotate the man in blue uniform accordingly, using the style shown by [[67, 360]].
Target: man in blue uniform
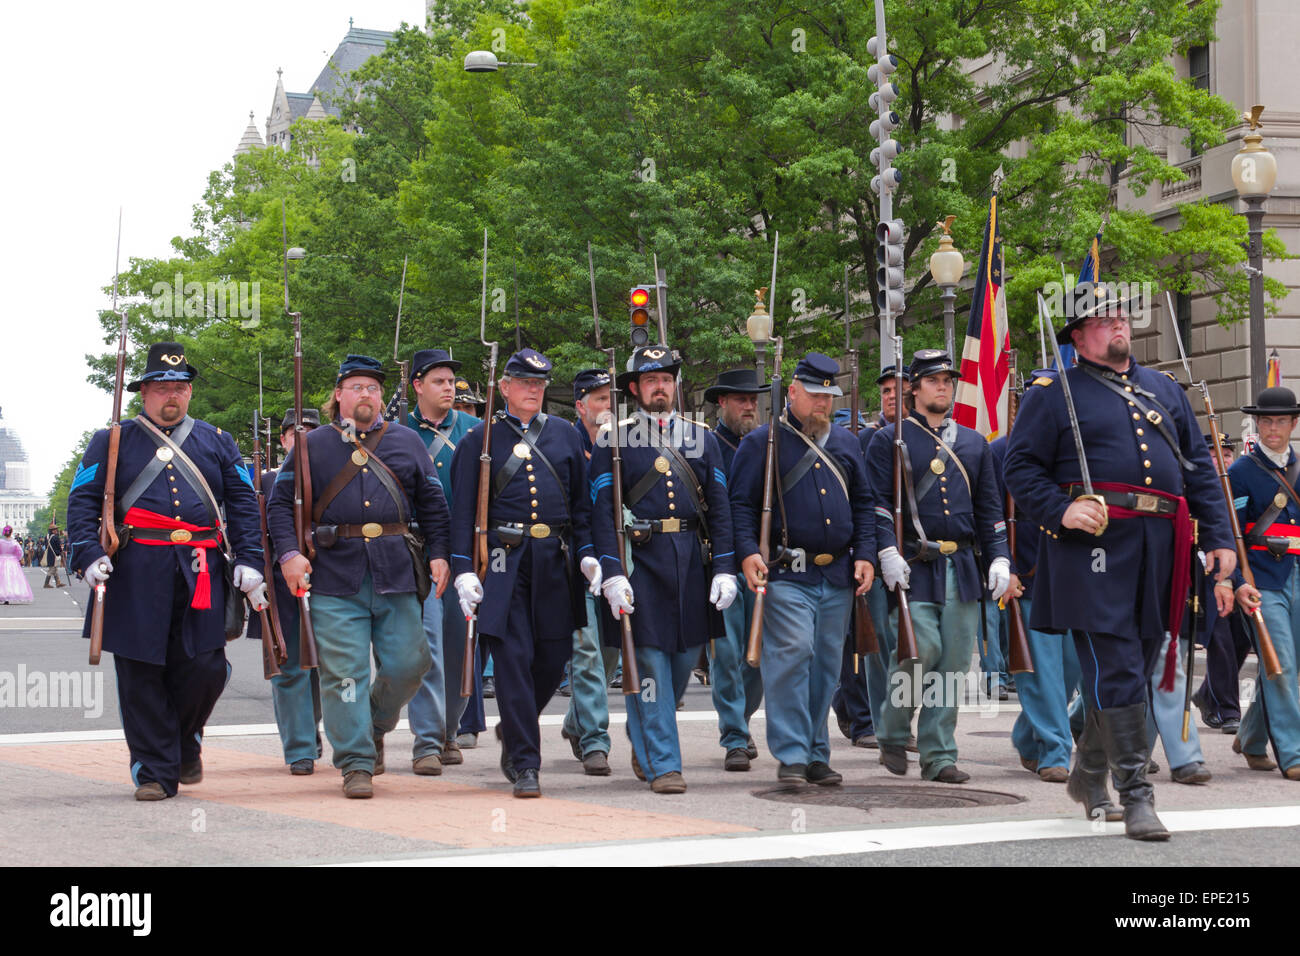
[[538, 538], [295, 691], [371, 480], [1116, 576], [435, 710], [676, 490], [737, 687], [1264, 488], [823, 529], [586, 723], [951, 508], [164, 618]]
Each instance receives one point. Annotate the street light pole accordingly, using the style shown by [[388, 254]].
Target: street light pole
[[1255, 261], [947, 267]]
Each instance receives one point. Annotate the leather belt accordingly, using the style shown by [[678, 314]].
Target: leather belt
[[1277, 544], [371, 529], [538, 530], [820, 559], [1134, 501], [938, 547], [175, 536], [673, 525]]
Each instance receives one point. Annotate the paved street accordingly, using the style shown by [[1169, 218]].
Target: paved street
[[66, 794]]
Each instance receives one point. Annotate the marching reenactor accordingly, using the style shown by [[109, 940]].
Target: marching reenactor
[[467, 400], [1116, 550], [952, 508], [737, 687], [826, 522], [295, 691], [682, 558], [371, 480], [53, 556], [164, 617], [1264, 487], [592, 667], [435, 710], [539, 542]]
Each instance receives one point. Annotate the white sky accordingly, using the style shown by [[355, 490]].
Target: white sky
[[129, 104]]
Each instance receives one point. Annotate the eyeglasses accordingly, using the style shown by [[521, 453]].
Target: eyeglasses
[[363, 389], [1105, 321]]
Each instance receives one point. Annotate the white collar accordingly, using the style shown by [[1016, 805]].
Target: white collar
[[1281, 459]]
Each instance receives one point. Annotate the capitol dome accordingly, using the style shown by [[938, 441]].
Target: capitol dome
[[17, 503]]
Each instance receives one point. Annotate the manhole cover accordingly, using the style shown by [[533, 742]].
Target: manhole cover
[[866, 797], [989, 733]]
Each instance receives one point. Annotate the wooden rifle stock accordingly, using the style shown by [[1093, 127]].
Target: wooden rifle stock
[[1267, 653], [631, 676], [1019, 659], [754, 642], [274, 652]]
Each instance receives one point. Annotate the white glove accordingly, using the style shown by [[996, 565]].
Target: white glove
[[618, 592], [470, 590], [894, 569], [591, 571], [257, 597], [98, 573], [245, 578], [999, 577], [723, 591]]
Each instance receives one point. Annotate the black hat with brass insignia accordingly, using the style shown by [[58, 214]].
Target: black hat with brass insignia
[[588, 380], [932, 362], [465, 393], [816, 372], [736, 381], [1091, 299], [529, 363], [166, 363], [310, 419], [650, 358], [1273, 401]]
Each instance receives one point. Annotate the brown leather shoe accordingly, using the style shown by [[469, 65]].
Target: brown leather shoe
[[303, 768], [430, 765], [671, 782], [1254, 761], [1030, 765], [357, 785], [1292, 772], [736, 759], [451, 754], [1054, 775], [150, 791], [596, 764], [636, 766], [192, 773]]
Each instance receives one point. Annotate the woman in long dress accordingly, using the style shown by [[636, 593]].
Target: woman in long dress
[[13, 585]]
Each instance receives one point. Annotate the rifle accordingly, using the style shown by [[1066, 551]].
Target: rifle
[[906, 649], [302, 496], [1198, 581], [865, 639], [1019, 660], [108, 539], [403, 366], [484, 485], [1267, 653], [631, 677], [771, 466], [274, 652]]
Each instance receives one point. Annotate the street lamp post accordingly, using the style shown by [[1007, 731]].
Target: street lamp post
[[947, 267], [759, 329], [1254, 171]]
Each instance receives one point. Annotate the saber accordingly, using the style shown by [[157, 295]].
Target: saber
[[1088, 493]]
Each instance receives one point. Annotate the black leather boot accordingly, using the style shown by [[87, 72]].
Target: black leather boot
[[1087, 783], [1124, 731]]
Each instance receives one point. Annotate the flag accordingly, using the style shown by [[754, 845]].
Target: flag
[[1089, 270], [1274, 370], [983, 390]]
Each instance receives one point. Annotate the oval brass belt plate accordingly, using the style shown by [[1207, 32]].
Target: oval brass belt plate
[[540, 531], [180, 536], [947, 547], [372, 529], [822, 560]]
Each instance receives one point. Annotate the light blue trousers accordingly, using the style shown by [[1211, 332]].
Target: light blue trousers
[[1281, 611], [591, 669]]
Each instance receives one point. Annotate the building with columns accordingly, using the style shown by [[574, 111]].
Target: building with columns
[[18, 505]]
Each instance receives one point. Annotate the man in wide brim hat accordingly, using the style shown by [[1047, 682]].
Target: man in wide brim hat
[[649, 358], [1090, 300], [165, 363], [736, 381]]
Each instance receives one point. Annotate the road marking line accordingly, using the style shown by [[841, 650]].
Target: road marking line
[[738, 849]]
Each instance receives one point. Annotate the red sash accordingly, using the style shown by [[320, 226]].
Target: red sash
[[1181, 579], [140, 518]]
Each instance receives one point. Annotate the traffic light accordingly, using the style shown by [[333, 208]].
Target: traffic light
[[640, 314], [889, 233], [889, 268]]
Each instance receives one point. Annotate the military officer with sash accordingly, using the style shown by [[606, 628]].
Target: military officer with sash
[[1264, 487], [737, 687], [682, 558], [435, 710], [370, 479], [295, 691], [539, 548], [824, 529], [593, 665], [1116, 548], [165, 589], [951, 508]]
